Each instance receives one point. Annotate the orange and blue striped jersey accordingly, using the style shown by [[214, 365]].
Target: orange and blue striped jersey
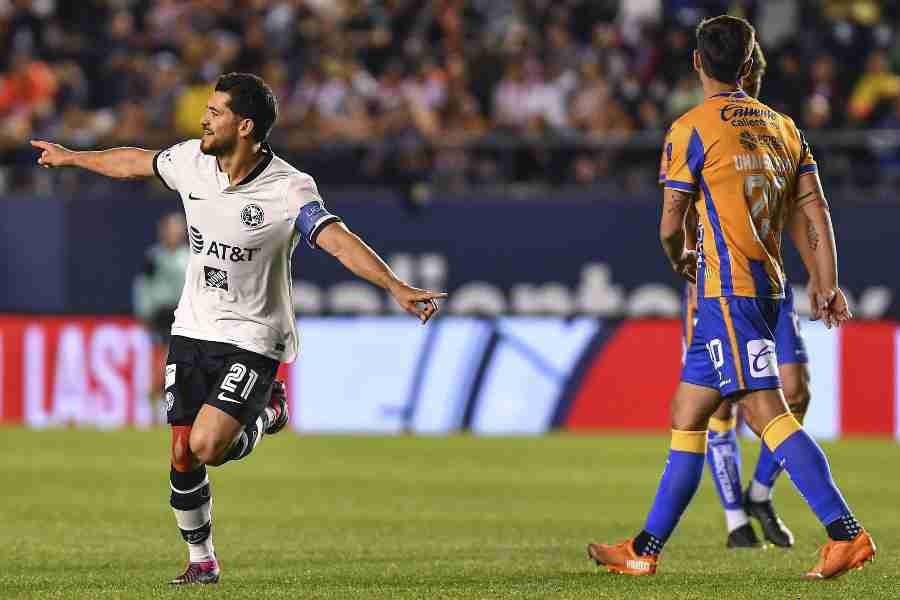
[[742, 160]]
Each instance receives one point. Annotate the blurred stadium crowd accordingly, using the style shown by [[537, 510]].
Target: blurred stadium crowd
[[454, 93]]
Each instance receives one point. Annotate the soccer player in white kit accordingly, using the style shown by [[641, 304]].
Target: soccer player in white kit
[[246, 211]]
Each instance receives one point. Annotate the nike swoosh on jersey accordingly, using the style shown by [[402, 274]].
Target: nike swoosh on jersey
[[193, 197], [225, 398]]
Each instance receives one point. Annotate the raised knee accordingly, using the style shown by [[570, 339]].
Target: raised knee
[[205, 448]]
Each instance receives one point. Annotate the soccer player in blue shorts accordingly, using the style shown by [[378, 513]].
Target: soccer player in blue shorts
[[723, 454], [747, 170]]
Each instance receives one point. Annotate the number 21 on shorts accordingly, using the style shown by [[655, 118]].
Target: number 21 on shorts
[[233, 379]]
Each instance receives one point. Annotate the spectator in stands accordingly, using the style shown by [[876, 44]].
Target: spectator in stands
[[817, 112], [28, 88], [593, 109], [190, 105], [157, 289], [388, 74], [878, 84]]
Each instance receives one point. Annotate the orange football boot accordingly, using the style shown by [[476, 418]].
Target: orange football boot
[[836, 558], [621, 558]]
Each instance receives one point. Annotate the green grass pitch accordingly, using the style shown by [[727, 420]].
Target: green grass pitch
[[85, 515]]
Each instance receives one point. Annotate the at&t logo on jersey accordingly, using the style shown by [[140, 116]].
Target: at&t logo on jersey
[[232, 253], [196, 239], [220, 250], [761, 358], [252, 216]]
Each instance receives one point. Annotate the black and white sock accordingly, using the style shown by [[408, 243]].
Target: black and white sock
[[191, 502], [249, 438]]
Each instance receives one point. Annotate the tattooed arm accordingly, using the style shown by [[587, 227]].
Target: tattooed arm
[[672, 233], [805, 237], [691, 222], [812, 232]]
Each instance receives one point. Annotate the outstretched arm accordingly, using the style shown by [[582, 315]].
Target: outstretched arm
[[673, 235], [812, 231], [359, 258], [120, 163]]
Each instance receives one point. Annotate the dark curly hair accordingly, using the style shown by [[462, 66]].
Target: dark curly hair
[[251, 98]]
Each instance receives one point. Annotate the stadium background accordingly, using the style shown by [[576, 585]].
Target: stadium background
[[503, 150]]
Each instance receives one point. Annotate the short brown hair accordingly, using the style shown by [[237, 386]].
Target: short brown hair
[[725, 44]]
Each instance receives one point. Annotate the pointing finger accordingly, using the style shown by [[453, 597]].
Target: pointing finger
[[426, 295]]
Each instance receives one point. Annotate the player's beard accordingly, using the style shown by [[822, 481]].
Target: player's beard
[[217, 144]]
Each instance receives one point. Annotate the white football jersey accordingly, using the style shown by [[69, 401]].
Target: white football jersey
[[238, 281]]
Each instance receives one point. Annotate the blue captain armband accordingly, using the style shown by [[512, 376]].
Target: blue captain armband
[[313, 218]]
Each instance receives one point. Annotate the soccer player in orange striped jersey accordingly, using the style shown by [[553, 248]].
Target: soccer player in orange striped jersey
[[747, 170], [723, 453]]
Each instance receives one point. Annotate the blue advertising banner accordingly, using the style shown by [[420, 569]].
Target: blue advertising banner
[[554, 256], [565, 258]]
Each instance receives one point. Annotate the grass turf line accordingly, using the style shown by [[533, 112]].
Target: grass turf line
[[85, 515]]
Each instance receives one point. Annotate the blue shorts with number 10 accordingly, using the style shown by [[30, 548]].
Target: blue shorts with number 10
[[735, 344]]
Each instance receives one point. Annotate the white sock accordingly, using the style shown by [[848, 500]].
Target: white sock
[[195, 519], [202, 552], [759, 492], [734, 518]]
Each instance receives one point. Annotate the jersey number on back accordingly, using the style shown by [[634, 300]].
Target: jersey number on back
[[765, 197]]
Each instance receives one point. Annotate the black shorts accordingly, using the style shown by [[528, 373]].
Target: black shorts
[[236, 381]]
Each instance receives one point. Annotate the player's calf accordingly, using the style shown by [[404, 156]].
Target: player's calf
[[191, 502], [724, 459], [809, 470]]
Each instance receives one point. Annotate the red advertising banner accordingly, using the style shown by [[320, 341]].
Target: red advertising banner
[[512, 375], [88, 371]]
